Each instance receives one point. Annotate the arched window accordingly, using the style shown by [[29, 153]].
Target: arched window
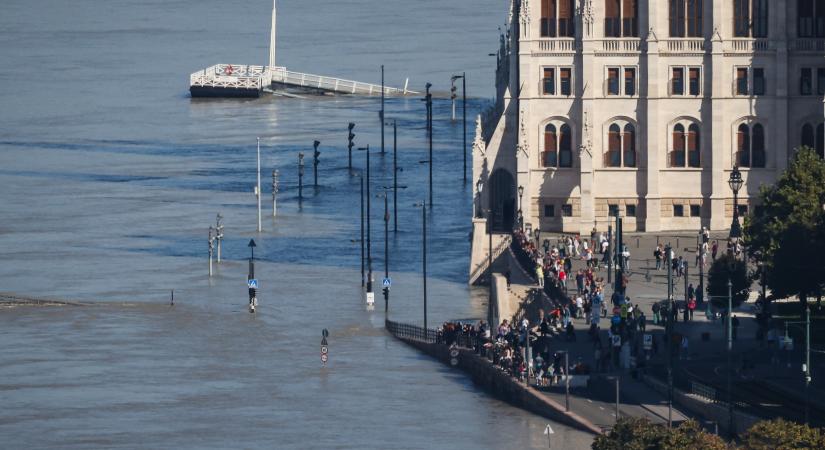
[[758, 148], [629, 146], [750, 18], [621, 18], [750, 146], [621, 145], [677, 154], [557, 18], [558, 146], [820, 140], [815, 141], [685, 18], [743, 145], [694, 146], [565, 147], [810, 18], [550, 154], [614, 146]]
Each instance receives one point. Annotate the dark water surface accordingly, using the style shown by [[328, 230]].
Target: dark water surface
[[110, 175]]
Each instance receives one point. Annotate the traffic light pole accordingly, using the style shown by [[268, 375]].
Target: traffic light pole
[[382, 110], [350, 144], [394, 176], [464, 113], [668, 339], [315, 161], [386, 256], [362, 232]]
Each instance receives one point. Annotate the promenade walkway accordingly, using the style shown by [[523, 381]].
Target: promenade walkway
[[767, 382]]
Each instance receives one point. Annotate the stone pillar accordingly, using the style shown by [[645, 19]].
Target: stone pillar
[[781, 142], [720, 151], [586, 31], [654, 152]]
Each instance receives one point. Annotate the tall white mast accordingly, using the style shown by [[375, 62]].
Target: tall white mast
[[272, 36]]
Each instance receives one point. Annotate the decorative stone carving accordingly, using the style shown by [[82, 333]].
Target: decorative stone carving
[[523, 146], [587, 138], [586, 13], [525, 18], [478, 142]]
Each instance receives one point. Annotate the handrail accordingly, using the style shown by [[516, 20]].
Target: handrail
[[409, 331]]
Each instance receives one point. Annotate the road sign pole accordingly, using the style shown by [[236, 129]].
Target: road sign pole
[[258, 187]]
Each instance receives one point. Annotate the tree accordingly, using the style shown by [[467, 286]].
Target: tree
[[782, 435], [639, 434], [792, 217], [725, 268]]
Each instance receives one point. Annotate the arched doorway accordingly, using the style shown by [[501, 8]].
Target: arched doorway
[[503, 201]]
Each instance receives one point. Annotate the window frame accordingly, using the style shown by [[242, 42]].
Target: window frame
[[810, 79], [544, 81], [695, 208], [621, 87], [691, 156], [556, 26], [750, 141], [680, 208], [686, 84], [551, 208], [623, 25], [750, 24], [560, 137], [567, 210], [616, 154], [557, 85], [630, 210]]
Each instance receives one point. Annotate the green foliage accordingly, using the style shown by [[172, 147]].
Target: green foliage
[[640, 434], [782, 435], [723, 269], [790, 227]]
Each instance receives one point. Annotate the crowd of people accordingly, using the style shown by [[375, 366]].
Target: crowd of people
[[579, 294]]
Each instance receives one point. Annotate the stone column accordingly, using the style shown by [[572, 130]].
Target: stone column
[[721, 150], [654, 152]]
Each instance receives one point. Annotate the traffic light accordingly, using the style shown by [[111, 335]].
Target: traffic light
[[386, 292], [351, 136], [317, 153], [453, 91]]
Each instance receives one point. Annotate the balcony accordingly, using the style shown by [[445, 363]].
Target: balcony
[[807, 45], [554, 46], [618, 46], [682, 46], [746, 45]]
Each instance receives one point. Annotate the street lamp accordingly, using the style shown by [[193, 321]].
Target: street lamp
[[479, 188], [735, 182], [369, 229], [395, 170], [463, 78], [429, 103], [423, 205], [520, 216]]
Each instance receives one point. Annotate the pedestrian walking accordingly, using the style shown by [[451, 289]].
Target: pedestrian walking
[[714, 249], [658, 255], [656, 317]]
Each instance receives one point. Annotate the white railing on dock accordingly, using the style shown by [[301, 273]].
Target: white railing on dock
[[260, 77], [308, 80], [231, 76]]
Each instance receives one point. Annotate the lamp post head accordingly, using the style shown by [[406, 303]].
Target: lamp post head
[[520, 191], [735, 181], [479, 186], [351, 126]]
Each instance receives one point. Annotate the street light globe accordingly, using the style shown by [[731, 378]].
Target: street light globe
[[735, 181], [520, 190]]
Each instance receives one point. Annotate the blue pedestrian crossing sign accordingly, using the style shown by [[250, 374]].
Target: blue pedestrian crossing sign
[[252, 284], [387, 282]]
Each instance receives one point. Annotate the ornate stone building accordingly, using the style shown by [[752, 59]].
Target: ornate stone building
[[644, 107]]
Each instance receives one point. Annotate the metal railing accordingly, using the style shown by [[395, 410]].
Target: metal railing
[[281, 75], [231, 76], [414, 332]]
